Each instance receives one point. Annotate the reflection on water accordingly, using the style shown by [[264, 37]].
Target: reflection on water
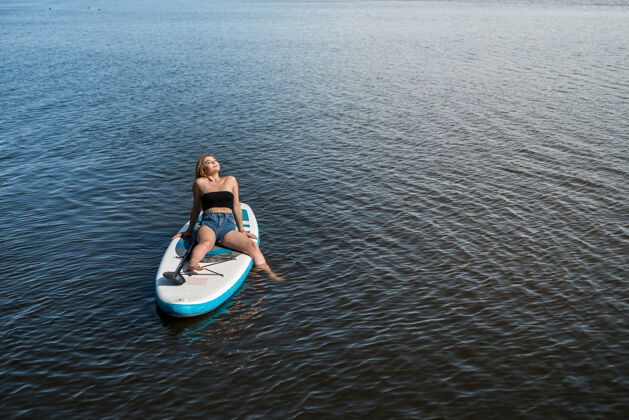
[[197, 327], [221, 337]]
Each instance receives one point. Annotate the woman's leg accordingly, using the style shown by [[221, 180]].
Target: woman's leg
[[239, 241], [206, 239]]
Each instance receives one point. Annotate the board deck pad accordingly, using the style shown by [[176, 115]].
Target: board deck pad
[[224, 270]]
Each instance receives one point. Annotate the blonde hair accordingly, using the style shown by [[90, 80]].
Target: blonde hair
[[198, 170]]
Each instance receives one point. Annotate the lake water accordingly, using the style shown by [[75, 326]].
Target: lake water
[[443, 185]]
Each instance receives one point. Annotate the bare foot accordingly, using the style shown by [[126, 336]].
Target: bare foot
[[271, 274], [193, 268]]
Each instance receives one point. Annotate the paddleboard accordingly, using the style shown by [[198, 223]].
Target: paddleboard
[[224, 271]]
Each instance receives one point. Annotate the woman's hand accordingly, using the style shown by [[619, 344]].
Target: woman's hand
[[182, 235], [250, 235]]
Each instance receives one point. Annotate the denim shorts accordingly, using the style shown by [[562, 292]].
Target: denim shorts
[[220, 223]]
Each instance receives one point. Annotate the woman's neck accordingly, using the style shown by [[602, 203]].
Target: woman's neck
[[213, 178]]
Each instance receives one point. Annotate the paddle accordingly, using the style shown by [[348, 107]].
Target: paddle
[[175, 276]]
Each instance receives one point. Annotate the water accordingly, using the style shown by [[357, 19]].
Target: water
[[442, 184]]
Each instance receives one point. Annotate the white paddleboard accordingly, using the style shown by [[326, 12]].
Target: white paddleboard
[[223, 273]]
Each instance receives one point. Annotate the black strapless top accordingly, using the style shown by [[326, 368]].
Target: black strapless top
[[218, 199]]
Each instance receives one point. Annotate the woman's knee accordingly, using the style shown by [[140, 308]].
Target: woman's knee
[[253, 248]]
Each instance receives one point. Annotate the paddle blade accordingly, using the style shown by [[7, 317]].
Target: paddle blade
[[175, 277]]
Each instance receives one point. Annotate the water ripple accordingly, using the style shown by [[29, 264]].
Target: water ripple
[[444, 192]]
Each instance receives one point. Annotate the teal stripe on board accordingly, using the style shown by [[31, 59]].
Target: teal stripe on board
[[182, 247]]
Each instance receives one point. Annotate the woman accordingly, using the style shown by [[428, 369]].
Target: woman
[[222, 217]]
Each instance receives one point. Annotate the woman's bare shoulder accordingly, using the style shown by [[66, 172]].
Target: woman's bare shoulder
[[199, 182], [231, 181]]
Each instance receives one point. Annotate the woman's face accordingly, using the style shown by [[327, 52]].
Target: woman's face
[[210, 165]]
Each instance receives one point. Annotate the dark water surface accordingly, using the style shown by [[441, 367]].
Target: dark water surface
[[442, 184]]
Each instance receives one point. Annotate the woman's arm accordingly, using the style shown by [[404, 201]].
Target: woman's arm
[[236, 208], [238, 211], [196, 208]]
